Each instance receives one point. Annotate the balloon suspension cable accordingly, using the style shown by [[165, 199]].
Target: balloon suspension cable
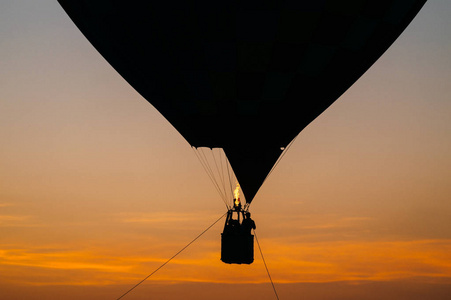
[[204, 162], [217, 166], [180, 251], [266, 267], [212, 174], [228, 173], [220, 169]]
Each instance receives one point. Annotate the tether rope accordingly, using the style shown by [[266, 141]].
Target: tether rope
[[266, 267], [180, 251]]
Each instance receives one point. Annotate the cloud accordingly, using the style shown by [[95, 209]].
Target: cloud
[[161, 217], [169, 223], [334, 222], [17, 221], [359, 260], [288, 263], [58, 266]]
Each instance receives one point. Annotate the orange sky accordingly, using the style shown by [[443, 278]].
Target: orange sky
[[97, 189]]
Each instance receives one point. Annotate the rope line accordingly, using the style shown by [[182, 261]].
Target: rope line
[[226, 176], [266, 267], [220, 173], [224, 197], [210, 176], [180, 251], [228, 173], [203, 164], [219, 169]]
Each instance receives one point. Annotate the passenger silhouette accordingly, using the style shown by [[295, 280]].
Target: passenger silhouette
[[248, 224]]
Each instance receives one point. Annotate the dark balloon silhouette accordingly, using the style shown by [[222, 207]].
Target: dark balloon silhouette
[[246, 76]]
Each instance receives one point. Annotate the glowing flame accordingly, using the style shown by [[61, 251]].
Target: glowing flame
[[236, 193]]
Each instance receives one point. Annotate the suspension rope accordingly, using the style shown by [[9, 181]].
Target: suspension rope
[[212, 174], [266, 267], [180, 251], [204, 165], [221, 192], [223, 176], [228, 173], [220, 173]]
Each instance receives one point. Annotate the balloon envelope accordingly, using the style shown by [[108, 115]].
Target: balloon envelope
[[246, 76]]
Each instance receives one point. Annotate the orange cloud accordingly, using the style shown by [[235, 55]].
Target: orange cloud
[[378, 260], [288, 263], [17, 221], [181, 218]]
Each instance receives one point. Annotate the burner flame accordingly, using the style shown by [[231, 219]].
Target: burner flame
[[236, 194]]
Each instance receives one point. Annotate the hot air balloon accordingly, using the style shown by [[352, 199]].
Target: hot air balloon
[[243, 76]]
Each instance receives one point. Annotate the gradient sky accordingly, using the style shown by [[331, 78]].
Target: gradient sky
[[97, 189]]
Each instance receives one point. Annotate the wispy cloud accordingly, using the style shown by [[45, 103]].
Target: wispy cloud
[[17, 221], [378, 260], [163, 217], [333, 222], [58, 266], [288, 262]]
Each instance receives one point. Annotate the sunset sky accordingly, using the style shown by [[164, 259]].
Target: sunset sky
[[97, 189]]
